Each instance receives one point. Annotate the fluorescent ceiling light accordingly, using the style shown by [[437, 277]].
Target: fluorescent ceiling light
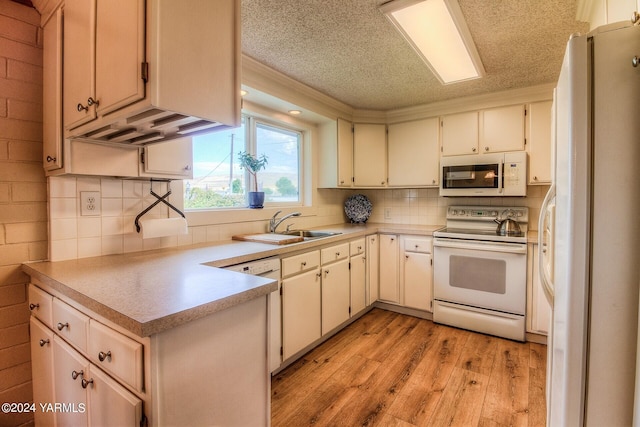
[[438, 32]]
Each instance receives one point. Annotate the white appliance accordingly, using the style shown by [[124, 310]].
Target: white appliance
[[269, 268], [479, 275], [494, 174], [595, 232]]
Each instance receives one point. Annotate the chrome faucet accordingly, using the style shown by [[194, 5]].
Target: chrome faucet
[[274, 222]]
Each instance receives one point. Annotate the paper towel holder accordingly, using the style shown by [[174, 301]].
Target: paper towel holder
[[161, 199]]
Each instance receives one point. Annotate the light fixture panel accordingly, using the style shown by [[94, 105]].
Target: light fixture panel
[[437, 31]]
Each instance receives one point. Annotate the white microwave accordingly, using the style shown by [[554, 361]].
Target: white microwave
[[489, 175]]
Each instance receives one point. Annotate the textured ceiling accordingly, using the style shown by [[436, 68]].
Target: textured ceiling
[[348, 50]]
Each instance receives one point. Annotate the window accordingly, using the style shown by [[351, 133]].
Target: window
[[219, 181]]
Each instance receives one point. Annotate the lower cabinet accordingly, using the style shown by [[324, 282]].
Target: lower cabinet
[[301, 294], [373, 268], [42, 371], [336, 289], [417, 272], [358, 276], [95, 398], [389, 279]]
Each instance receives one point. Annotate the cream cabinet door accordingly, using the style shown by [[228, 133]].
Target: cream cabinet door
[[357, 273], [413, 153], [373, 268], [389, 280], [539, 142], [69, 370], [110, 403], [78, 62], [459, 133], [52, 133], [501, 129], [345, 153], [120, 52], [335, 294], [41, 371], [301, 323], [171, 159], [369, 155], [417, 280]]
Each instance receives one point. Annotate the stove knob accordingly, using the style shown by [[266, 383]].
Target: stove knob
[[454, 212], [462, 212], [494, 213]]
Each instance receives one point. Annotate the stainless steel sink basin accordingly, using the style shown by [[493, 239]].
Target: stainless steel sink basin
[[311, 234]]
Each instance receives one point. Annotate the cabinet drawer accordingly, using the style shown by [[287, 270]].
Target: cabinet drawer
[[357, 247], [334, 253], [299, 263], [116, 354], [417, 244], [70, 324], [40, 304]]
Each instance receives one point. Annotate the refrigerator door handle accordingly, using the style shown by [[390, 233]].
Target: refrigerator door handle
[[545, 280]]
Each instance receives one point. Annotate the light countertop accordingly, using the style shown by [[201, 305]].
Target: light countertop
[[149, 292]]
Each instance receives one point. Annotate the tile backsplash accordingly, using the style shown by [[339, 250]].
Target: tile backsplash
[[112, 230]]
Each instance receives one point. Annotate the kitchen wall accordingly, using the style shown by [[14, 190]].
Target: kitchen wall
[[113, 232], [23, 195]]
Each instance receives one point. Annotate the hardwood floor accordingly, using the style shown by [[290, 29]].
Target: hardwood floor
[[389, 369]]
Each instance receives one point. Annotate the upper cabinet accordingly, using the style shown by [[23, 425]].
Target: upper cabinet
[[336, 154], [52, 93], [492, 130], [413, 154], [459, 133], [345, 153], [539, 142], [501, 129], [369, 155], [139, 71], [104, 58]]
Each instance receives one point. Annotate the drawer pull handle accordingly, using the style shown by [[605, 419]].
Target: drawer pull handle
[[303, 263], [337, 254], [50, 159], [102, 355], [61, 326], [32, 306], [85, 383], [76, 374], [43, 342]]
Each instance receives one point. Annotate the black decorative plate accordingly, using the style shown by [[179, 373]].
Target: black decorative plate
[[358, 208]]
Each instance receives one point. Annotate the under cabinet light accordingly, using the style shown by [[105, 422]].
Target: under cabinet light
[[439, 34]]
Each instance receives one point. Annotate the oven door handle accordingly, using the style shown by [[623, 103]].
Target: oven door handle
[[513, 248]]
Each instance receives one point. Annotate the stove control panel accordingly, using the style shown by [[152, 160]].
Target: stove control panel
[[490, 213]]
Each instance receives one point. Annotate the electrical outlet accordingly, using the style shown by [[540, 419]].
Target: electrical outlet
[[387, 213], [90, 203]]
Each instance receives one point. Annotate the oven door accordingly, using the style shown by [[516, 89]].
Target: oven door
[[489, 275]]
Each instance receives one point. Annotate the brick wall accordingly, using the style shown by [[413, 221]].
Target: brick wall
[[23, 194]]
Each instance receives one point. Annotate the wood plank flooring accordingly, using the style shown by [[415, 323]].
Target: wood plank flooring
[[389, 369]]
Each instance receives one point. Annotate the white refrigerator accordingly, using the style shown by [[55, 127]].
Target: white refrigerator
[[590, 232]]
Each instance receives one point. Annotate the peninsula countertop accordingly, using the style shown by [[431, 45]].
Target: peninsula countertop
[[152, 291]]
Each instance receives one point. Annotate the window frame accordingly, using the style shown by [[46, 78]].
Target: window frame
[[251, 122]]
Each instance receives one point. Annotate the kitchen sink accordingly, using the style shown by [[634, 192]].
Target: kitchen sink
[[311, 234]]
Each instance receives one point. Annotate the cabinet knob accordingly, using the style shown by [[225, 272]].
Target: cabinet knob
[[382, 183], [44, 342], [337, 254], [635, 18], [32, 306], [81, 107], [50, 159], [433, 182], [61, 326], [76, 374], [187, 168], [359, 248], [406, 257], [635, 61], [102, 355], [91, 101], [486, 148], [535, 178], [303, 263], [326, 272], [85, 383], [474, 149]]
